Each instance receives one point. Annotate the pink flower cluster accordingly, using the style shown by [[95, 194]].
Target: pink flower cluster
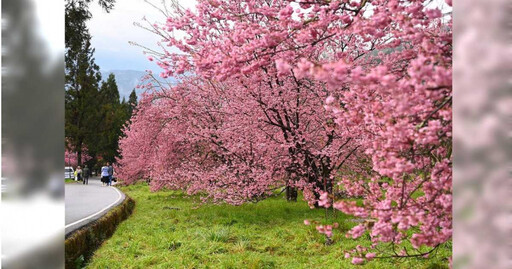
[[359, 255], [71, 156]]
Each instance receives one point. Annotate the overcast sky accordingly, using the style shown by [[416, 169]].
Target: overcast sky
[[112, 31]]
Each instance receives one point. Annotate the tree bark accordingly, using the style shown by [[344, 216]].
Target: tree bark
[[291, 194], [79, 158]]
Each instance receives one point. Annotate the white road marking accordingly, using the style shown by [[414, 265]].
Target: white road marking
[[99, 212]]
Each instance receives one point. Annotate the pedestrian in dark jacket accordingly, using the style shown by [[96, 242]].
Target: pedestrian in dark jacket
[[86, 174], [110, 173]]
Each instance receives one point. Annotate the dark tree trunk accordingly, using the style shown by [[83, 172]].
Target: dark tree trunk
[[326, 185], [291, 194], [79, 154], [79, 158]]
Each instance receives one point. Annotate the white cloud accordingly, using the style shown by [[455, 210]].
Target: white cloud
[[112, 31], [50, 25]]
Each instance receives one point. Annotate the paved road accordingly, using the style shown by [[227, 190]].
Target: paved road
[[86, 203]]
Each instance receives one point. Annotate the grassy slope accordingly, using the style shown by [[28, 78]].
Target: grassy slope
[[269, 234]]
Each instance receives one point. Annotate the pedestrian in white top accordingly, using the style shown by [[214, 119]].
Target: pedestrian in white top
[[104, 175]]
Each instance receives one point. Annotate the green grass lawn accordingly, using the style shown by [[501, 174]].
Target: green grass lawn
[[69, 180], [171, 230]]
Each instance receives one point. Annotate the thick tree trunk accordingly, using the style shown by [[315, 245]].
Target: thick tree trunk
[[291, 194], [79, 158], [79, 154], [326, 185]]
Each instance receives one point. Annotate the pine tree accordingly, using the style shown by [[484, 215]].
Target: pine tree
[[109, 93], [82, 77], [113, 115], [132, 102]]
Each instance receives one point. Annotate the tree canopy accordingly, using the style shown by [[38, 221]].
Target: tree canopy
[[334, 98]]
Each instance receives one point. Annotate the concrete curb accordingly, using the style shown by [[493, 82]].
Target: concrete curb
[[72, 227], [81, 243]]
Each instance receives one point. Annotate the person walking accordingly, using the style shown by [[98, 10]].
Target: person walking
[[86, 175], [104, 175], [76, 178], [79, 173], [110, 173]]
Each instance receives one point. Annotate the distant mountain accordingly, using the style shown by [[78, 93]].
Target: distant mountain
[[126, 81]]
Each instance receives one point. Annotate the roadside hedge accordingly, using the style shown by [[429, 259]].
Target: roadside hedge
[[81, 244]]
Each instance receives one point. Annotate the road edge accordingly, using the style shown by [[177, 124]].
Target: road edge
[[72, 227], [81, 243]]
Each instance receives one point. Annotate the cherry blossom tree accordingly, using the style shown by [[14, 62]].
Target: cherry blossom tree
[[71, 156], [308, 95], [286, 110], [200, 136]]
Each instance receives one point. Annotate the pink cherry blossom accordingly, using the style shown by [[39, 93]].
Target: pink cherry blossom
[[346, 96], [357, 260], [71, 156], [370, 255]]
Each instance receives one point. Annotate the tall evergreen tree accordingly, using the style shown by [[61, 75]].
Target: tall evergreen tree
[[109, 93], [113, 115], [82, 77], [132, 102]]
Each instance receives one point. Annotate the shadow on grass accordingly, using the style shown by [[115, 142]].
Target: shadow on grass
[[269, 212]]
